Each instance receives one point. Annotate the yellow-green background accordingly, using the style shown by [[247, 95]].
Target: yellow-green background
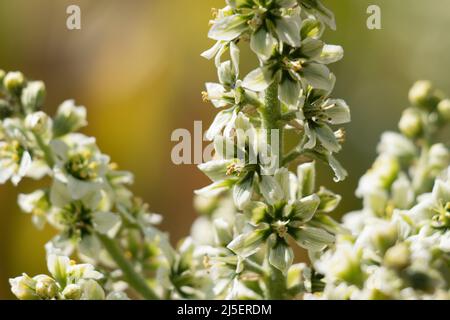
[[136, 66]]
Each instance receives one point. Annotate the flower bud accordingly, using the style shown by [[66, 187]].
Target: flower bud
[[69, 118], [397, 145], [397, 257], [33, 96], [347, 267], [438, 157], [444, 109], [225, 73], [384, 237], [37, 122], [46, 287], [72, 292], [205, 205], [223, 232], [422, 94], [14, 82], [411, 123], [24, 288], [93, 291]]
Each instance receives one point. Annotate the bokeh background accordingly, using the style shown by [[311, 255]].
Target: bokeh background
[[136, 66]]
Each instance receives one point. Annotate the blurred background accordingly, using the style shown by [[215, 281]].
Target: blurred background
[[136, 66]]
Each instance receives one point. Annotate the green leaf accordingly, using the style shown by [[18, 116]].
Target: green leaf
[[228, 28]]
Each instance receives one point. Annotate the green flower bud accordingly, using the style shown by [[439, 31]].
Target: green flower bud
[[37, 122], [5, 109], [69, 118], [33, 96], [438, 157], [46, 287], [423, 95], [384, 237], [223, 232], [347, 267], [14, 82], [397, 257], [93, 291], [72, 292], [411, 123], [205, 205], [225, 73], [24, 288], [444, 109]]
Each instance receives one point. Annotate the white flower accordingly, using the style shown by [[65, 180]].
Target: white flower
[[15, 162], [69, 118], [24, 287], [35, 203], [79, 165]]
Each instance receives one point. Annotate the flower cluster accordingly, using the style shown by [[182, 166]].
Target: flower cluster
[[88, 201], [263, 199], [248, 251], [68, 281], [398, 245]]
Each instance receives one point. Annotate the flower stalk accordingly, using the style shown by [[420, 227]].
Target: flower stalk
[[133, 278]]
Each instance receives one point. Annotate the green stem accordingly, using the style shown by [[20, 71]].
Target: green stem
[[254, 267], [276, 284], [48, 154], [134, 279], [271, 116]]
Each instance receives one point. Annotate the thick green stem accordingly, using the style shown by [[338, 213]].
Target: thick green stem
[[134, 279], [271, 116], [275, 284]]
